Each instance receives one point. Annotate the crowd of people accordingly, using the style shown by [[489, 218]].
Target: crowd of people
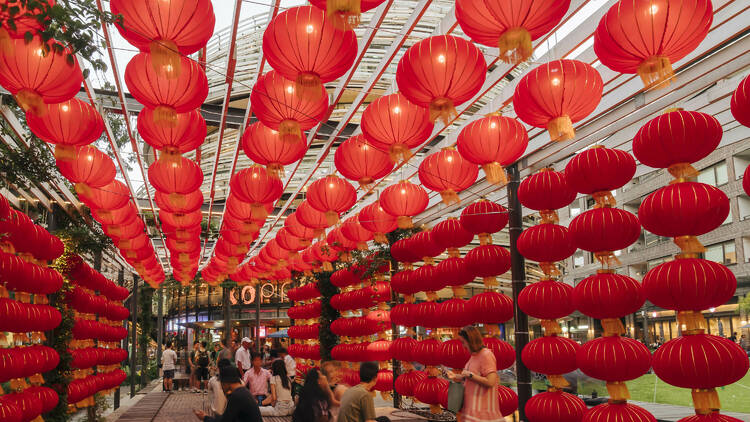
[[246, 385]]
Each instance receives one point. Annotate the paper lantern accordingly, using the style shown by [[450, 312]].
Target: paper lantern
[[358, 161], [427, 280], [547, 299], [599, 170], [186, 134], [453, 354], [510, 25], [491, 308], [455, 313], [545, 191], [555, 406], [403, 348], [557, 94], [451, 235], [425, 246], [256, 187], [618, 412], [264, 146], [545, 244], [402, 251], [608, 295], [689, 284], [714, 416], [448, 173], [675, 139], [321, 53], [408, 381], [403, 200], [405, 282], [331, 195], [551, 355], [91, 169], [488, 261], [429, 391], [111, 196], [614, 358], [507, 399], [167, 97], [484, 218], [277, 106], [374, 219], [25, 19], [186, 204], [345, 14], [378, 351], [181, 177], [740, 104], [68, 124], [505, 355], [168, 30], [352, 230], [36, 77], [298, 229], [493, 142], [10, 412], [440, 73], [647, 36], [395, 125], [604, 229]]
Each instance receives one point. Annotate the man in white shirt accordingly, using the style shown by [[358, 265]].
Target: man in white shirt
[[168, 360], [242, 357], [216, 397], [291, 365]]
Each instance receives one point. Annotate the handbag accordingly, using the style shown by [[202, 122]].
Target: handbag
[[455, 396]]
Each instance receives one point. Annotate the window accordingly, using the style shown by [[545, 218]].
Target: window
[[729, 218], [654, 262], [723, 253], [716, 175], [578, 259], [650, 239]]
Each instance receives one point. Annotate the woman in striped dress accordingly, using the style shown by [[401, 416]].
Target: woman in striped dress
[[480, 380]]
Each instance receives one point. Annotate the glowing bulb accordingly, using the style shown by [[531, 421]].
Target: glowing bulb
[[90, 157], [493, 125], [403, 191], [555, 81], [711, 309], [396, 110], [310, 29], [449, 158], [65, 107], [174, 165], [365, 147], [168, 68], [441, 58], [653, 315], [255, 175], [330, 185], [290, 89], [39, 52], [653, 9]]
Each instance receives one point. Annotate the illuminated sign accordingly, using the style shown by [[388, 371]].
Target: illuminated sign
[[246, 294]]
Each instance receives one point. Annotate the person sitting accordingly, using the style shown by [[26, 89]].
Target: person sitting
[[280, 402], [314, 400], [357, 404], [217, 399], [240, 404], [256, 378]]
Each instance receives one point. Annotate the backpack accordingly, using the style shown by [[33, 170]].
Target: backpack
[[202, 358]]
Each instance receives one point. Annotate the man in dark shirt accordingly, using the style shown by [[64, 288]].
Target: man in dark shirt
[[241, 407]]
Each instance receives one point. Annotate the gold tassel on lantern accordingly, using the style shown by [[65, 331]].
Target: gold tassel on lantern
[[656, 72], [290, 131], [612, 327], [549, 216], [442, 108], [165, 59], [557, 382], [682, 172], [607, 258], [691, 322], [344, 14], [549, 268], [551, 327], [170, 155], [495, 173], [561, 129], [327, 266], [66, 153], [485, 238], [332, 218], [177, 199], [404, 222], [515, 45], [705, 400], [380, 237], [604, 199], [258, 212], [689, 245], [308, 85], [275, 170], [450, 197], [618, 391], [489, 282], [31, 101], [399, 152], [165, 116]]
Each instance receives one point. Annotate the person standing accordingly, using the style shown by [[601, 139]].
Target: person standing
[[168, 361], [202, 360], [192, 366], [480, 380], [240, 404], [357, 404], [280, 402], [242, 357], [257, 378]]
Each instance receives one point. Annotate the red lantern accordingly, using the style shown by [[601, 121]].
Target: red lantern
[[181, 177], [345, 14], [511, 25], [374, 219], [546, 191], [427, 280], [505, 355], [484, 218], [167, 30], [447, 172], [111, 196], [167, 97], [488, 261], [427, 352], [551, 355], [608, 295], [68, 124], [491, 308], [555, 406], [395, 125], [430, 390], [402, 251], [254, 186], [403, 348], [689, 284], [405, 282], [453, 354], [384, 380], [298, 229], [331, 195], [265, 147], [675, 139], [404, 200], [25, 19], [557, 94], [288, 241], [614, 359], [186, 134], [545, 244], [299, 29], [547, 299], [454, 313], [91, 169], [407, 382], [360, 162], [508, 400], [311, 218], [700, 361], [379, 351], [187, 203], [618, 412], [37, 77], [451, 235], [493, 142], [277, 106], [352, 230], [424, 245], [440, 73], [740, 104], [714, 416], [604, 229], [598, 170], [647, 36], [10, 412]]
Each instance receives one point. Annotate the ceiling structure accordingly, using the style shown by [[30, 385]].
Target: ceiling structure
[[234, 59]]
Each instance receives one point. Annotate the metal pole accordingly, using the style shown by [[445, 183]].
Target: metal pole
[[225, 309], [257, 317], [120, 281], [646, 339], [160, 325], [518, 271], [394, 335], [149, 292], [133, 339]]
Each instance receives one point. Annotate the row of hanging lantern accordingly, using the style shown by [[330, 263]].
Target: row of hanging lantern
[[171, 86], [26, 250], [98, 329], [305, 314], [55, 116]]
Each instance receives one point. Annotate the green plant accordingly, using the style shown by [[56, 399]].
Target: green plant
[[100, 406], [24, 167], [744, 304], [327, 314]]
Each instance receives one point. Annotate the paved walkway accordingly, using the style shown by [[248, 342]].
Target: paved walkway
[[668, 412]]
